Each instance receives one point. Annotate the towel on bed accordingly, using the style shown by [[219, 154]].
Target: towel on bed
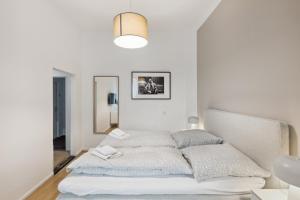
[[119, 134], [106, 152]]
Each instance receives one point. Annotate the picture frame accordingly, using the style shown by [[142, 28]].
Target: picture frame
[[150, 85]]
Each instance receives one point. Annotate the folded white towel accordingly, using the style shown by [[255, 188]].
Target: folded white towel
[[106, 152], [96, 153], [119, 134]]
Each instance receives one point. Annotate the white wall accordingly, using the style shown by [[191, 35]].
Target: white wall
[[167, 51], [34, 38], [248, 61]]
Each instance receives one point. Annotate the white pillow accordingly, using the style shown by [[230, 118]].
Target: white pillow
[[213, 161], [195, 137]]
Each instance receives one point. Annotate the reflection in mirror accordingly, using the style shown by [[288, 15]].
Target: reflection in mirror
[[106, 103]]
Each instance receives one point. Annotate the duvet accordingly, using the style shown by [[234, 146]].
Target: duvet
[[141, 139], [135, 162]]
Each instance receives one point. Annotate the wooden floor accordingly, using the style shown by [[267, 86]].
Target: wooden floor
[[48, 191]]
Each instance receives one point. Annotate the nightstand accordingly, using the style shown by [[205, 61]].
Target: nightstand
[[269, 194]]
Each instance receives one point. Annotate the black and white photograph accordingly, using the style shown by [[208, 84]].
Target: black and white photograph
[[151, 85]]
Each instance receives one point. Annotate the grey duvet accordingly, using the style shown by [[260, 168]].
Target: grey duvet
[[135, 162]]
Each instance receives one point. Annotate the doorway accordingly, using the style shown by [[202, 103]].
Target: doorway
[[61, 133]]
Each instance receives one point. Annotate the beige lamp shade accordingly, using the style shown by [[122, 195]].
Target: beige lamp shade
[[130, 30]]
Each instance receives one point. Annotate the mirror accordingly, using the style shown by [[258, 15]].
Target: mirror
[[106, 103]]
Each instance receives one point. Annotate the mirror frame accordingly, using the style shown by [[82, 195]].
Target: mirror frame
[[94, 102]]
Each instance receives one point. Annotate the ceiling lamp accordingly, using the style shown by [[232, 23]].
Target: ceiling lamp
[[130, 30]]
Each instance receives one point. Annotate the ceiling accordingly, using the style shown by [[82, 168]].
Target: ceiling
[[161, 14]]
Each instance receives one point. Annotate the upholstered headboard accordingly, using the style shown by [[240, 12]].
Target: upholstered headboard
[[261, 139]]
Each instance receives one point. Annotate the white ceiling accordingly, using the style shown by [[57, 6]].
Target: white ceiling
[[161, 14]]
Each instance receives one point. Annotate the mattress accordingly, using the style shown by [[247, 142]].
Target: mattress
[[81, 185], [154, 197]]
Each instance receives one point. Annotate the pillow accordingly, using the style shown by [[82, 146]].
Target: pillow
[[195, 137], [214, 161]]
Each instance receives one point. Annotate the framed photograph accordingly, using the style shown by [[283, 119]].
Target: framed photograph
[[151, 85]]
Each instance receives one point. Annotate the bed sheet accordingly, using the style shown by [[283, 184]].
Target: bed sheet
[[82, 185]]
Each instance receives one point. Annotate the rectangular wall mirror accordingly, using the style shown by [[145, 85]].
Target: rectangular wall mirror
[[106, 103]]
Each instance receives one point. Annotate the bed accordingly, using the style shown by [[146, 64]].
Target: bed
[[260, 139]]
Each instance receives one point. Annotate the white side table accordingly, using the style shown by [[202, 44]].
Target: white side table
[[269, 194]]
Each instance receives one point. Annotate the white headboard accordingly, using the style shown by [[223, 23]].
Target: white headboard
[[261, 139]]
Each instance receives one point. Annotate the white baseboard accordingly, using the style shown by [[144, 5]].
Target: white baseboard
[[28, 193]]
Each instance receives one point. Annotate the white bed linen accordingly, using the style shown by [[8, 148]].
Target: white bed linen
[[221, 160], [82, 185], [142, 161], [155, 197], [263, 140], [141, 139]]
